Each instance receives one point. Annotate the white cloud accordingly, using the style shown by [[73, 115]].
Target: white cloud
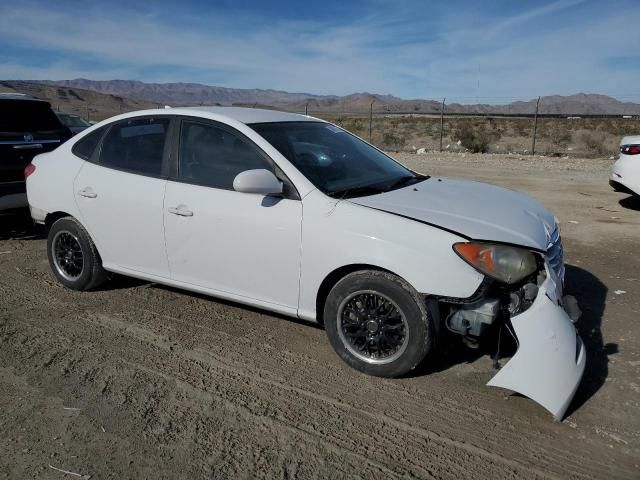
[[395, 51], [535, 13]]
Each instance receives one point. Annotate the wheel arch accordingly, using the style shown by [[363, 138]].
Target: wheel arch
[[52, 217], [335, 276]]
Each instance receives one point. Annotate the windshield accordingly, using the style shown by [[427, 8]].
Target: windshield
[[336, 162], [73, 120]]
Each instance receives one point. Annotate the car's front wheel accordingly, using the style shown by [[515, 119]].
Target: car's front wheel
[[73, 257], [378, 324]]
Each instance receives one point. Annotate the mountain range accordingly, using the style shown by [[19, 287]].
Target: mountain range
[[175, 94], [197, 94]]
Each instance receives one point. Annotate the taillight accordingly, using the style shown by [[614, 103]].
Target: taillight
[[28, 170], [630, 149]]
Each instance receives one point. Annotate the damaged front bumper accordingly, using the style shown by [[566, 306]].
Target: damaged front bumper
[[550, 360]]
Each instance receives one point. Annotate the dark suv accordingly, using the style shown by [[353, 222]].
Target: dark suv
[[28, 127]]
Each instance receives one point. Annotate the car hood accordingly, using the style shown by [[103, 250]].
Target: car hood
[[474, 210]]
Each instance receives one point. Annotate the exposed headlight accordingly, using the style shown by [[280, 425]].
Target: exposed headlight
[[502, 262]]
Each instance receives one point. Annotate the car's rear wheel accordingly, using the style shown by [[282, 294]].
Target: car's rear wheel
[[73, 257], [377, 323]]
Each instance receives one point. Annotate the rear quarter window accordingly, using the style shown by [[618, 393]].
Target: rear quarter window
[[85, 147]]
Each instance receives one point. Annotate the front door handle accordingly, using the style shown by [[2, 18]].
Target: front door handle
[[88, 193], [181, 210]]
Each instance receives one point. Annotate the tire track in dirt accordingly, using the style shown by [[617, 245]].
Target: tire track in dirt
[[191, 387], [147, 336]]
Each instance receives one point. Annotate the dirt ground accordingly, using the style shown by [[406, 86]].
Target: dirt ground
[[146, 382]]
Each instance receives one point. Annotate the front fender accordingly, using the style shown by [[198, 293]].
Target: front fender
[[338, 233]]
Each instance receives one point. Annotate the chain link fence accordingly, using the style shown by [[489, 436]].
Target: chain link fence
[[560, 134]]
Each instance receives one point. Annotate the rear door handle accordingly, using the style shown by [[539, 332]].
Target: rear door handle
[[88, 193], [181, 210]]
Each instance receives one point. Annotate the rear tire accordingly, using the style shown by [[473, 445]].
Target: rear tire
[[73, 257], [378, 324]]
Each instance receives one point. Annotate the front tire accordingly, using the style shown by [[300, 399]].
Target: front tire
[[378, 324], [73, 257]]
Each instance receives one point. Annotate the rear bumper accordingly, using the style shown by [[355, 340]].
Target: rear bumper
[[11, 188], [551, 357], [13, 195], [625, 175], [619, 187]]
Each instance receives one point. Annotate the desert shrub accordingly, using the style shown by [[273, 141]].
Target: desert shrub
[[521, 128], [465, 134], [475, 139], [393, 141], [594, 143], [558, 133], [619, 126], [354, 125]]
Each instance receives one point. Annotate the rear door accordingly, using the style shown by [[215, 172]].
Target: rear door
[[120, 193]]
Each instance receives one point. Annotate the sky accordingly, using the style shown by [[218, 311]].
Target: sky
[[489, 50]]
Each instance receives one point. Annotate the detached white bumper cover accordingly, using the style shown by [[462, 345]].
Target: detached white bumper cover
[[551, 357]]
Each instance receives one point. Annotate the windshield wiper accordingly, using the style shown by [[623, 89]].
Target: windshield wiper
[[356, 192], [407, 180]]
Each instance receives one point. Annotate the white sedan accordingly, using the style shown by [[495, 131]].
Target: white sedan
[[625, 173], [292, 214]]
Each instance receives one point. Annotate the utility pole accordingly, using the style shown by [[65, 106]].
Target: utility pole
[[371, 117], [442, 121], [306, 108], [535, 128]]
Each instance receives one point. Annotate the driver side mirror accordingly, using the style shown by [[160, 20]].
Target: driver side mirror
[[260, 181]]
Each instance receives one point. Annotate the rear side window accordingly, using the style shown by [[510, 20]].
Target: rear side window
[[85, 147], [136, 145], [213, 156]]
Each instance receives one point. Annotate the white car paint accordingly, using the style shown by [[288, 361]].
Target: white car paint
[[276, 253], [107, 198], [626, 170], [336, 233], [259, 235], [479, 210]]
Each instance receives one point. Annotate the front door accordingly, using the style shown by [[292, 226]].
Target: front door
[[244, 246]]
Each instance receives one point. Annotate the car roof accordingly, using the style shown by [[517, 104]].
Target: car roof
[[237, 114], [252, 115], [230, 115], [19, 96]]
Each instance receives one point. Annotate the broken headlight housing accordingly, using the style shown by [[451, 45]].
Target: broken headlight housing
[[503, 262]]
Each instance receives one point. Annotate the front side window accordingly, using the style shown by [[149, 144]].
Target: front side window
[[136, 145], [336, 162], [213, 156]]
